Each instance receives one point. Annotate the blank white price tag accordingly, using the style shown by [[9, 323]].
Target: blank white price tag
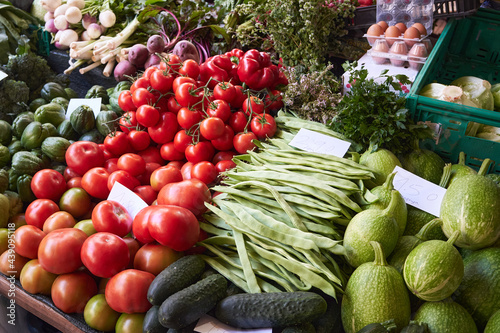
[[315, 142], [208, 324], [93, 103], [2, 75], [418, 192], [128, 199]]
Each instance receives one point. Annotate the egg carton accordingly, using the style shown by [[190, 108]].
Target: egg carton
[[410, 41], [408, 12], [394, 56]]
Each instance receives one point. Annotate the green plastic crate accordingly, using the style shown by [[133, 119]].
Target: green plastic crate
[[469, 46]]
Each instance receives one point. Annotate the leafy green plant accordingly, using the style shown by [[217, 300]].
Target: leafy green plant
[[373, 116]]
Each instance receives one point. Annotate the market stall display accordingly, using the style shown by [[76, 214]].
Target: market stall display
[[223, 186]]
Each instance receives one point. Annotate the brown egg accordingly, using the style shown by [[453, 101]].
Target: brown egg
[[421, 28], [401, 26], [411, 33], [374, 30], [399, 48], [391, 34], [383, 24]]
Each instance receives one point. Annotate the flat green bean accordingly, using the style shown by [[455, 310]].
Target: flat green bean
[[253, 286]]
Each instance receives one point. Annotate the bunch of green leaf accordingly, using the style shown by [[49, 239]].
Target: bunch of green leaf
[[370, 114], [313, 95], [300, 31]]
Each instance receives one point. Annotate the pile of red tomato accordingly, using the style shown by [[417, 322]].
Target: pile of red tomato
[[182, 125]]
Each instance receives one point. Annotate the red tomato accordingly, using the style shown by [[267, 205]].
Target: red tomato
[[263, 126], [111, 216], [111, 164], [75, 201], [165, 175], [11, 263], [105, 254], [84, 155], [148, 72], [71, 292], [186, 170], [181, 140], [124, 178], [132, 163], [165, 128], [212, 128], [176, 164], [243, 142], [154, 258], [117, 143], [59, 251], [127, 291], [240, 96], [58, 220], [172, 105], [198, 249], [188, 95], [225, 141], [222, 166], [146, 193], [187, 118], [128, 121], [223, 156], [39, 210], [172, 64], [145, 178], [191, 194], [180, 80], [190, 68], [202, 151], [253, 105], [107, 154], [273, 101], [133, 247], [36, 280], [125, 101], [147, 115], [173, 226], [219, 108], [152, 155], [169, 153], [48, 184], [204, 171], [139, 140], [142, 96], [142, 82], [74, 182], [70, 173], [161, 81], [27, 240], [225, 91], [140, 225], [95, 182], [238, 121]]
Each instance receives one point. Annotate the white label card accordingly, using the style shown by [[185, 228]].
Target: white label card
[[2, 75], [418, 192], [208, 324], [315, 142], [93, 103], [128, 199]]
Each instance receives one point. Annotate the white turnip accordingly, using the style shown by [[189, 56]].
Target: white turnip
[[107, 18], [156, 44], [50, 5], [94, 30], [73, 15], [85, 36], [61, 23], [88, 20], [123, 70], [48, 16], [80, 4], [50, 27], [137, 55], [61, 10], [67, 37]]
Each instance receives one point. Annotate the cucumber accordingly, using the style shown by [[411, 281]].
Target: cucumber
[[180, 274], [300, 328], [151, 324], [188, 305], [274, 309], [330, 321]]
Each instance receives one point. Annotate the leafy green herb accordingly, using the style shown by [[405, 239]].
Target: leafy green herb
[[371, 115]]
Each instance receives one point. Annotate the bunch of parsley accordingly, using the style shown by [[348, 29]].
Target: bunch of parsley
[[373, 116]]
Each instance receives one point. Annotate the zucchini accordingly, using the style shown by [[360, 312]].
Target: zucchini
[[93, 136], [53, 113], [188, 305], [66, 130], [55, 148], [24, 162], [52, 90], [106, 122], [178, 275], [274, 309], [20, 122], [82, 119]]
